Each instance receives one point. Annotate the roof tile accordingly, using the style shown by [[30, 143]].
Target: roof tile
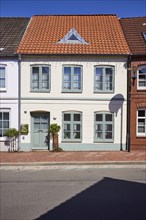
[[102, 32]]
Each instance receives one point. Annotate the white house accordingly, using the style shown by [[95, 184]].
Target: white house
[[12, 30], [73, 73]]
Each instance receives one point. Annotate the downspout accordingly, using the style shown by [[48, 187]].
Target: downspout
[[19, 99], [128, 101]]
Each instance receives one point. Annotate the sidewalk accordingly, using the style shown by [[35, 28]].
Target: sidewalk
[[72, 158]]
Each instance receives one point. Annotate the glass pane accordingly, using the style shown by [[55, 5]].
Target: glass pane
[[108, 127], [44, 126], [77, 71], [99, 117], [76, 135], [66, 127], [77, 85], [45, 77], [141, 113], [0, 115], [36, 119], [142, 83], [66, 135], [45, 85], [99, 135], [141, 121], [108, 79], [6, 124], [0, 124], [108, 135], [77, 117], [142, 70], [67, 78], [6, 116], [98, 86], [67, 117], [99, 79], [108, 117], [99, 127], [76, 127], [0, 132], [35, 81], [2, 72], [45, 69], [36, 126], [141, 129], [35, 69], [67, 70], [142, 76], [2, 83]]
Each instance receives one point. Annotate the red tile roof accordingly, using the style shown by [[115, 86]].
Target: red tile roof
[[102, 32], [133, 29]]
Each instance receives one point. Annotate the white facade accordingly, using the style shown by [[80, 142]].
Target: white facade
[[87, 102], [9, 97]]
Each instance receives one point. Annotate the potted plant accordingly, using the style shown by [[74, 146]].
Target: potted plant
[[54, 129], [12, 135]]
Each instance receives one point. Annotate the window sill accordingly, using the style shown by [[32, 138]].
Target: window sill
[[3, 90], [105, 141], [141, 136], [71, 91], [69, 141], [40, 91], [103, 92]]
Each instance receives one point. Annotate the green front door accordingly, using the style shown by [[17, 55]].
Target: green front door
[[40, 137]]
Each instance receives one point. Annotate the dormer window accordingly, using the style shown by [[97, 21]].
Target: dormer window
[[73, 37], [144, 35]]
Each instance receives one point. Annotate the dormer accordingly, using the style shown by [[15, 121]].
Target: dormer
[[72, 37]]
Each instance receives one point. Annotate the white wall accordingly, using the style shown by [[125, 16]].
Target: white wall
[[87, 102], [9, 97]]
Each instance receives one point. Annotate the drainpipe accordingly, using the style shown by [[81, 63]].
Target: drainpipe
[[128, 102], [19, 98]]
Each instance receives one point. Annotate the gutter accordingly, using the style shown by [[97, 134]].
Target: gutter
[[128, 102], [19, 99]]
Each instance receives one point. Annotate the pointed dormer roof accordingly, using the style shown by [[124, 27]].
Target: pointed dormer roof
[[73, 37]]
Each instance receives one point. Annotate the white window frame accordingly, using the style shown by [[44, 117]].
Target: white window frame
[[72, 89], [72, 122], [141, 134], [140, 87], [6, 110], [40, 89], [5, 88], [103, 124], [103, 81]]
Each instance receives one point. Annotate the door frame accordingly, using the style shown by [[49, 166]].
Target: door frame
[[32, 114]]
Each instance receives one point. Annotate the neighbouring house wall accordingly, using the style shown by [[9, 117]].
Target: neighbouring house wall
[[138, 101], [55, 102], [9, 96]]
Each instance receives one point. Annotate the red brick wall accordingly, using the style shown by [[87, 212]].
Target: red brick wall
[[138, 100]]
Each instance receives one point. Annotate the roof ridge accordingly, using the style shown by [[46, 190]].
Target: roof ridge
[[76, 15], [133, 17]]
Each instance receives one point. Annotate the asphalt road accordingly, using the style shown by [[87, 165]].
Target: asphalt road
[[73, 193]]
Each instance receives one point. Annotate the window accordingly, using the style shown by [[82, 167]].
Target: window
[[4, 123], [144, 35], [73, 37], [104, 123], [40, 78], [104, 79], [142, 77], [141, 122], [72, 78], [72, 126], [2, 77]]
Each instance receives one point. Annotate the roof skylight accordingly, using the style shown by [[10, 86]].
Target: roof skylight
[[144, 35]]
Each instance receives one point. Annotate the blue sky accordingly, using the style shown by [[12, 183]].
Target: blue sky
[[28, 8]]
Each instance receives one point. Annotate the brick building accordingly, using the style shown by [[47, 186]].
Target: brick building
[[135, 33]]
